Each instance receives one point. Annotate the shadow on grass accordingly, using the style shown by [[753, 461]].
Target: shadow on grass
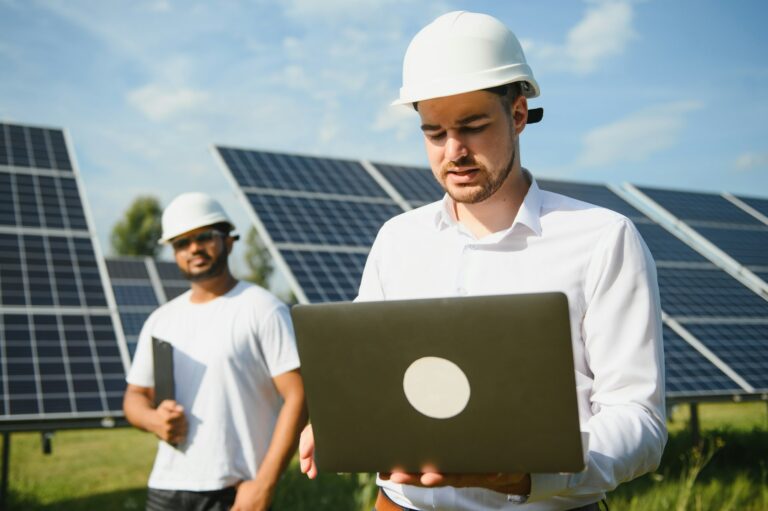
[[122, 500], [295, 492]]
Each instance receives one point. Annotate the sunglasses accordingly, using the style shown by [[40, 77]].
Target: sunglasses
[[201, 238]]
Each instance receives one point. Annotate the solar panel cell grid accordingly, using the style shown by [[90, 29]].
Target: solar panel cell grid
[[599, 195], [319, 221], [761, 205], [60, 271], [127, 269], [40, 201], [22, 146], [135, 294], [274, 171], [695, 207], [168, 271], [666, 247], [747, 246], [688, 372], [326, 276], [743, 347], [43, 377], [415, 184], [707, 292]]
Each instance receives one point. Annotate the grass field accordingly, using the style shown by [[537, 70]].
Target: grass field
[[107, 470]]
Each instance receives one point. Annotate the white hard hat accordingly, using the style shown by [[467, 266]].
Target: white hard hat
[[190, 211], [463, 52]]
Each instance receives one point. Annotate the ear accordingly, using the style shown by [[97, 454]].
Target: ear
[[519, 114], [229, 241]]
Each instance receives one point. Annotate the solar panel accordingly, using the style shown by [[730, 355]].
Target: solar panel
[[317, 216], [274, 171], [33, 147], [700, 208], [322, 234], [140, 285], [748, 245], [61, 359], [134, 293], [688, 373], [744, 347], [761, 205], [707, 292], [599, 195], [326, 276], [321, 221], [416, 185], [173, 282], [733, 230]]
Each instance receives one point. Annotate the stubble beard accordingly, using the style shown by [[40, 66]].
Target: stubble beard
[[487, 188], [217, 268]]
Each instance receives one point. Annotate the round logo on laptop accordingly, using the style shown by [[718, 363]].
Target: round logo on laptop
[[436, 387]]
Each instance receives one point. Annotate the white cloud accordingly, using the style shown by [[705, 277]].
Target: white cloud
[[159, 103], [603, 32], [637, 136], [315, 11], [752, 160], [159, 6]]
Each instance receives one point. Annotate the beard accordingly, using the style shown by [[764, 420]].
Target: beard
[[216, 268], [473, 195]]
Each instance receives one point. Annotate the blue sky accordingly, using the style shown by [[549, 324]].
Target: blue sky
[[669, 93]]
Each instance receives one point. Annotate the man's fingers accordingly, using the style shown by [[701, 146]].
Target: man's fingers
[[307, 452], [405, 478], [432, 479]]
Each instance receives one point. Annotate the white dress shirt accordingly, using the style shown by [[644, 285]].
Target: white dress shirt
[[598, 259]]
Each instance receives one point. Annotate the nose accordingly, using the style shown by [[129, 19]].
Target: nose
[[454, 148]]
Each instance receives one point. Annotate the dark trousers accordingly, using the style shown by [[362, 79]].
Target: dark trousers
[[179, 500]]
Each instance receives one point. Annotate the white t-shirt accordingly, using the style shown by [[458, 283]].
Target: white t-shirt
[[226, 352], [598, 259]]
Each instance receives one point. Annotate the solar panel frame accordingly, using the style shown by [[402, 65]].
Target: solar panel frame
[[758, 204]]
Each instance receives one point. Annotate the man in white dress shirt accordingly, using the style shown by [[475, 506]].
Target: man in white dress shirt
[[496, 232]]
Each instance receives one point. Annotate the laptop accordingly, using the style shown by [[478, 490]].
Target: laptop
[[456, 385]]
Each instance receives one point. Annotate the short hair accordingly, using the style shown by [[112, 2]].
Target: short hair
[[508, 93]]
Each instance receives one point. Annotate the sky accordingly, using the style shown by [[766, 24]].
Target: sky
[[664, 93]]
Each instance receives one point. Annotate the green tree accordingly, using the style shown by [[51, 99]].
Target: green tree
[[139, 230], [257, 259]]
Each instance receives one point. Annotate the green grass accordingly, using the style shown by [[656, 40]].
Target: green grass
[[107, 470]]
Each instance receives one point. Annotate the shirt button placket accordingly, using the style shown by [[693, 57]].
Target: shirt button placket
[[462, 286]]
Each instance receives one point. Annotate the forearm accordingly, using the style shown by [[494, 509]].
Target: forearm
[[290, 421], [139, 410]]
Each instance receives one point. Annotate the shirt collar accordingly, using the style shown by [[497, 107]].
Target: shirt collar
[[529, 213]]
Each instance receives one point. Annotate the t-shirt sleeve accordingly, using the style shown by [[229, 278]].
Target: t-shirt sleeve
[[142, 370], [278, 341]]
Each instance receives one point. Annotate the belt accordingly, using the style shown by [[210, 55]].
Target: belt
[[383, 503]]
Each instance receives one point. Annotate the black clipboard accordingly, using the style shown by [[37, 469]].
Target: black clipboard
[[162, 353]]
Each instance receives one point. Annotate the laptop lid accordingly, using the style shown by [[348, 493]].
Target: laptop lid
[[457, 385]]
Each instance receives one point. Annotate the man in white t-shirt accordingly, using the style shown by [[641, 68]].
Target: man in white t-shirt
[[239, 398], [496, 232]]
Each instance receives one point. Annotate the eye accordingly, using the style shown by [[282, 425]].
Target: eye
[[435, 136], [474, 129]]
